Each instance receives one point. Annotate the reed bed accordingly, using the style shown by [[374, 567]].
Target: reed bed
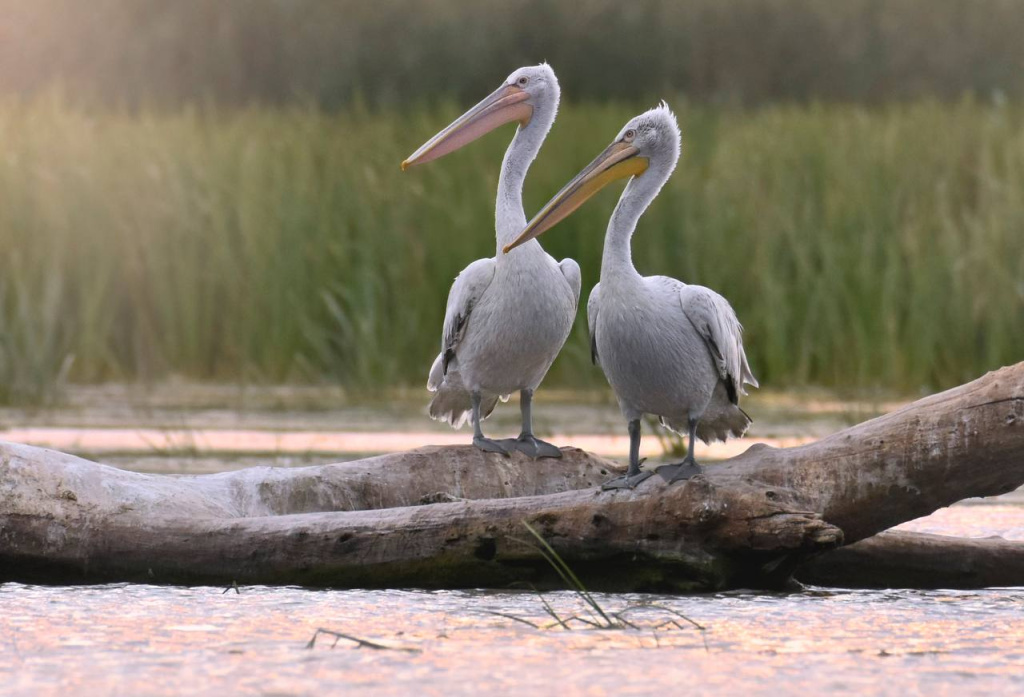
[[860, 247]]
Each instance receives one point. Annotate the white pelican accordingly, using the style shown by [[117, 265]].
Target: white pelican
[[508, 315], [667, 348]]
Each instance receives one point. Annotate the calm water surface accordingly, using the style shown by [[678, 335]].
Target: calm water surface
[[134, 640], [138, 640]]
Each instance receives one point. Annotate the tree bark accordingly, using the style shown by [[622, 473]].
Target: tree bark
[[747, 522], [898, 559]]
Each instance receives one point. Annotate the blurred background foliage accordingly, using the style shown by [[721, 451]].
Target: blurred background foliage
[[241, 52], [211, 189]]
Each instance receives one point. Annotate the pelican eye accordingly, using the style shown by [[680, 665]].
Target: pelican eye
[[522, 81], [629, 135]]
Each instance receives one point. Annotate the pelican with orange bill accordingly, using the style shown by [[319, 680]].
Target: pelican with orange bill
[[508, 315], [668, 349]]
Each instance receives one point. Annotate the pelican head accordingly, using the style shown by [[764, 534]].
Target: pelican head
[[526, 94], [648, 141]]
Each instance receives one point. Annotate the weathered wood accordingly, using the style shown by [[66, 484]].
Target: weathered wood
[[747, 522], [69, 519], [897, 559], [43, 482], [961, 443]]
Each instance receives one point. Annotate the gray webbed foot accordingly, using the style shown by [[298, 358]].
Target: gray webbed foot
[[624, 482], [629, 480], [680, 472], [532, 446], [489, 446]]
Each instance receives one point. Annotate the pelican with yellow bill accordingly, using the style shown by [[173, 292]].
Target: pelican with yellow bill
[[668, 349], [508, 315]]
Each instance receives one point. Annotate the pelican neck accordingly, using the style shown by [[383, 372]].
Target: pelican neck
[[640, 192], [509, 215]]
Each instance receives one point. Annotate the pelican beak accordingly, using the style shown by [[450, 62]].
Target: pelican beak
[[618, 161], [504, 105]]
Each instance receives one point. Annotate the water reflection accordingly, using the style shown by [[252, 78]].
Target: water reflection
[[131, 639]]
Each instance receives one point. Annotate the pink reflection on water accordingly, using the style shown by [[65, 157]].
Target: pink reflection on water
[[242, 441], [147, 640], [974, 520]]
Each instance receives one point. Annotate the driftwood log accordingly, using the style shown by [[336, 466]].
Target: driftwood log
[[897, 559], [453, 517]]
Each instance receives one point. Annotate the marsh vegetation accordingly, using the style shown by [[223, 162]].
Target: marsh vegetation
[[285, 245], [212, 190]]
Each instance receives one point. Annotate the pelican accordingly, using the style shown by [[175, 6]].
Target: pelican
[[668, 349], [507, 316]]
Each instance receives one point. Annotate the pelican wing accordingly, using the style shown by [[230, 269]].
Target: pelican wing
[[468, 288], [593, 305], [716, 322]]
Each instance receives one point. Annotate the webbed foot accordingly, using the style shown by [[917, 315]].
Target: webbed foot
[[489, 446], [629, 480], [680, 472], [624, 482], [532, 446]]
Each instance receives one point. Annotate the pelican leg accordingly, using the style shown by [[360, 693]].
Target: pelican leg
[[633, 475], [688, 467], [527, 443], [485, 444]]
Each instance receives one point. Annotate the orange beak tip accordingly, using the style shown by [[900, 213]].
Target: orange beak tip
[[506, 249], [405, 165]]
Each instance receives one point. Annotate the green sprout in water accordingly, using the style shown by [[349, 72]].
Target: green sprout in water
[[601, 619]]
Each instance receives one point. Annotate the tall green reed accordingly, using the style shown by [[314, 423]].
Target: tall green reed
[[880, 247]]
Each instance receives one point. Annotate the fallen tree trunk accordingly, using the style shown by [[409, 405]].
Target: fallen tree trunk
[[898, 559], [47, 483], [747, 522]]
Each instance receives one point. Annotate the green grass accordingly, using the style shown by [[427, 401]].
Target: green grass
[[879, 247]]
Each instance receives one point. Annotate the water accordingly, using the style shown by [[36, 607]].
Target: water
[[149, 640], [198, 428], [136, 640]]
